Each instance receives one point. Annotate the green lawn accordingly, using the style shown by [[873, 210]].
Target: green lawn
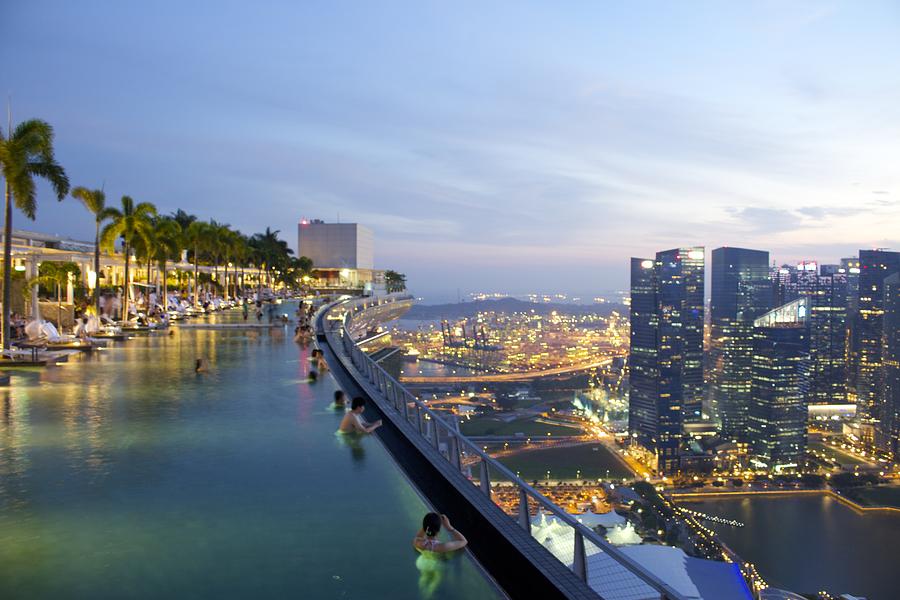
[[592, 460], [841, 457], [528, 427], [880, 495]]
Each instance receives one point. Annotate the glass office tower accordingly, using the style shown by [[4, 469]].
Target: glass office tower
[[740, 293], [875, 266], [777, 416], [828, 337], [666, 355], [887, 433]]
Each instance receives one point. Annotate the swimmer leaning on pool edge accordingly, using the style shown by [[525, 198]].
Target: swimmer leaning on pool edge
[[426, 538], [353, 421]]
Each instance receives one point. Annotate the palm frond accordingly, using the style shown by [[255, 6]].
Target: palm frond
[[35, 137], [52, 172], [110, 234], [93, 200], [24, 195]]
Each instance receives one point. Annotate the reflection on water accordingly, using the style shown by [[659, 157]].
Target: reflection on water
[[352, 441], [125, 474], [431, 572], [810, 543]]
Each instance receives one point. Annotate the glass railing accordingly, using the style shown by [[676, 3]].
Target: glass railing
[[602, 566]]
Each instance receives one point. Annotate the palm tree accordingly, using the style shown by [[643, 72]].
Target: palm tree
[[217, 242], [94, 201], [271, 252], [394, 281], [167, 244], [55, 274], [227, 241], [196, 237], [183, 219], [26, 153], [240, 251], [132, 223]]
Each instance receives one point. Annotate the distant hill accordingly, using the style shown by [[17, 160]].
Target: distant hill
[[507, 305]]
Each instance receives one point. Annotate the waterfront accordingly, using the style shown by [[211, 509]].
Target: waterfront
[[124, 474], [811, 542]]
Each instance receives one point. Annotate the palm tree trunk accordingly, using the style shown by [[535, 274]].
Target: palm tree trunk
[[7, 266], [97, 270], [127, 287], [196, 289], [59, 306], [225, 295], [165, 289]]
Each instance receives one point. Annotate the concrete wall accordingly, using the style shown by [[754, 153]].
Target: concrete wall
[[336, 245]]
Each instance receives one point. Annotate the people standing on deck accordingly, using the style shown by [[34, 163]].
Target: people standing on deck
[[246, 309], [353, 421]]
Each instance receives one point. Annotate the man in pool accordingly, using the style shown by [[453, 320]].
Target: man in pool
[[340, 399], [353, 421], [426, 538]]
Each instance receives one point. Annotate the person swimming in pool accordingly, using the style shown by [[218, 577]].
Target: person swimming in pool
[[340, 399], [426, 538], [353, 421]]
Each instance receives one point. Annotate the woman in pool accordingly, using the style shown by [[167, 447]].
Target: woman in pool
[[426, 538]]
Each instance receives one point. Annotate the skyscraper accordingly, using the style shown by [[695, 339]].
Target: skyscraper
[[850, 267], [740, 293], [875, 266], [828, 337], [888, 428], [666, 356], [777, 416]]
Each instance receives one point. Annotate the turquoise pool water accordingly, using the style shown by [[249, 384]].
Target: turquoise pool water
[[126, 475]]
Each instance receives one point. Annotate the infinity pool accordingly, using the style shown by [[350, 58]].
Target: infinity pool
[[124, 474]]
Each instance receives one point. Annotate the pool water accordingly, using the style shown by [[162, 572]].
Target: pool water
[[124, 474]]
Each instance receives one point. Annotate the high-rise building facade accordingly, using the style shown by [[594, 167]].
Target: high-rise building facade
[[828, 337], [850, 267], [666, 355], [777, 416], [874, 267], [740, 293], [887, 434]]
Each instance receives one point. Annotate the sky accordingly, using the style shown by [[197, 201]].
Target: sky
[[491, 146]]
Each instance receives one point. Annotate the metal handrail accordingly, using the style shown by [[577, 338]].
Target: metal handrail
[[431, 427]]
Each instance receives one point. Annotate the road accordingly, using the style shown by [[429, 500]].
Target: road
[[499, 377]]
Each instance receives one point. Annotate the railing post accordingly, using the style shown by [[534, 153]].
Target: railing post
[[418, 418], [485, 478], [524, 513], [454, 451], [580, 566], [435, 434]]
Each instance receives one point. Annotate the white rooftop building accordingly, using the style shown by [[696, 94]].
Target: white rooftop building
[[342, 253]]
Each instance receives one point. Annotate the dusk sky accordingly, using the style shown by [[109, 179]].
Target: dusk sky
[[491, 146]]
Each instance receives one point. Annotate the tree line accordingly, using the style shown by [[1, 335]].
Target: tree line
[[27, 154]]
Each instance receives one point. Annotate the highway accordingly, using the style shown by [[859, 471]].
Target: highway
[[499, 377]]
